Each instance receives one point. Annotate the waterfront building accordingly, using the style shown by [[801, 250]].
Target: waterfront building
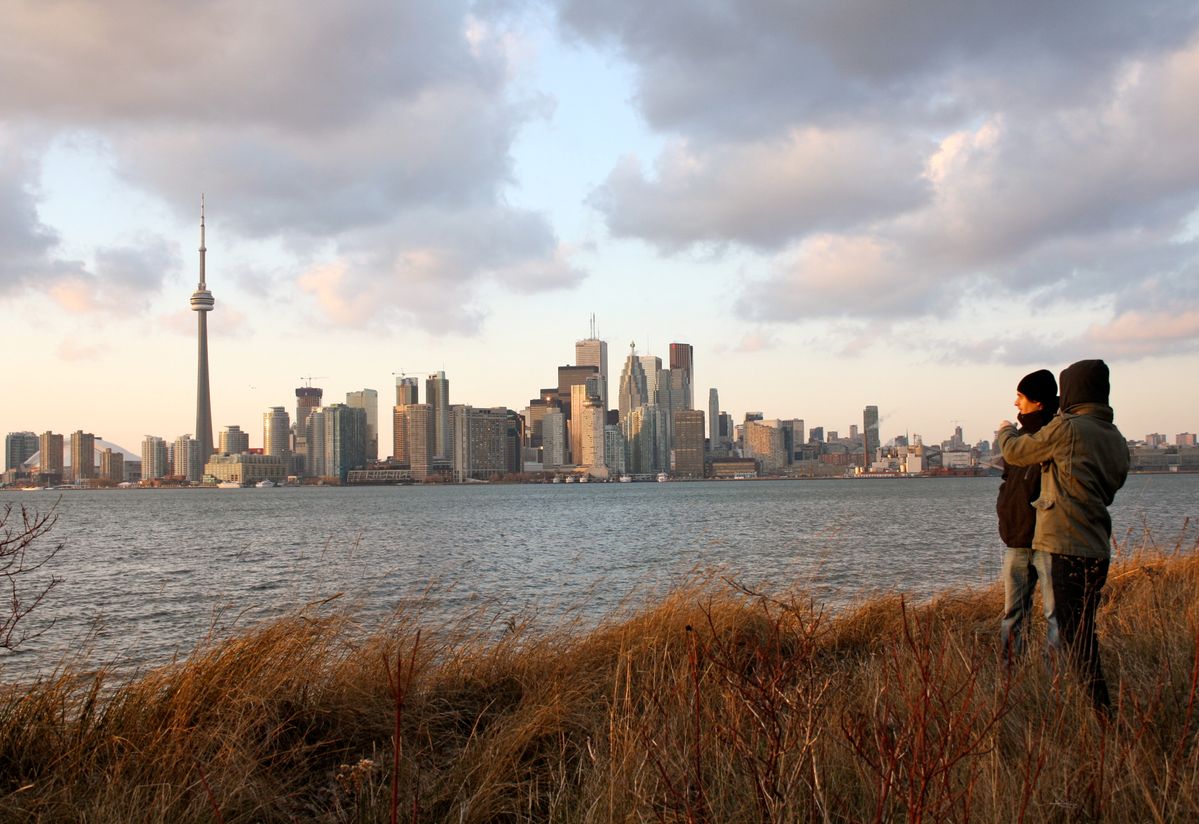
[[308, 398], [233, 441], [112, 466], [407, 391], [188, 459], [793, 439], [345, 439], [420, 445], [764, 441], [479, 442], [368, 400], [246, 468], [614, 449], [682, 369], [594, 352], [276, 433], [18, 448], [202, 303], [1182, 439], [154, 458], [314, 440], [591, 434], [437, 396], [83, 455], [688, 452], [633, 391], [553, 439], [816, 434], [399, 435], [50, 451]]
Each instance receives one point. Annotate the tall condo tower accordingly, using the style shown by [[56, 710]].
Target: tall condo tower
[[202, 303]]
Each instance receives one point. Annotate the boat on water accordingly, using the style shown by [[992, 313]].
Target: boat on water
[[584, 479], [266, 483], [557, 479], [663, 477], [626, 479], [228, 485], [570, 479], [31, 488]]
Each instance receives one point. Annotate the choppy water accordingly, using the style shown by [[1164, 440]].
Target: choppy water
[[147, 573]]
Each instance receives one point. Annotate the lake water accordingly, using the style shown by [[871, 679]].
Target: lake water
[[147, 573]]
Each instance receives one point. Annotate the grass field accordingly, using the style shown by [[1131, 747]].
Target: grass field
[[714, 704]]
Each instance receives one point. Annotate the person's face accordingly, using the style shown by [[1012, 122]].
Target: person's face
[[1026, 406]]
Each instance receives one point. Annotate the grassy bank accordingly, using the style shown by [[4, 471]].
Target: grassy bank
[[715, 704]]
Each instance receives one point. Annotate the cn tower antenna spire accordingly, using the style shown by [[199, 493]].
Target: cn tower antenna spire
[[203, 249]]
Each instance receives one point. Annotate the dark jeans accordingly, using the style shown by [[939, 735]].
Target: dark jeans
[[1076, 584], [1070, 590]]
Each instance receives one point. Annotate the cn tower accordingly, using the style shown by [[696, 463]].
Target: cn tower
[[202, 303]]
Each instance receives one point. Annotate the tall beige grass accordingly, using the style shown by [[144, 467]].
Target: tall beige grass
[[714, 704]]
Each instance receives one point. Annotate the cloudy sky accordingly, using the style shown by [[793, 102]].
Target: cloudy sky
[[836, 203]]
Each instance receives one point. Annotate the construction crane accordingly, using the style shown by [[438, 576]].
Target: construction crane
[[308, 379]]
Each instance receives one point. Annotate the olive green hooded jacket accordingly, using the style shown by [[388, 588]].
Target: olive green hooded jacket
[[1084, 460]]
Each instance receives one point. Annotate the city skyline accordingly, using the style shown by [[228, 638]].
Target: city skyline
[[834, 210]]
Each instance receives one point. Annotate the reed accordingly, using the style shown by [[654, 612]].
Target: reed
[[715, 703]]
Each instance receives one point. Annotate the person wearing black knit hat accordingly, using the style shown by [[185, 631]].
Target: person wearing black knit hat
[[1084, 461], [1036, 398]]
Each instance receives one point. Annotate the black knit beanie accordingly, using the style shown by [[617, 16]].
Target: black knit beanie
[[1039, 386]]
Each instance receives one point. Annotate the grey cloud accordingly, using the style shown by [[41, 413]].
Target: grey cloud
[[738, 68], [765, 194]]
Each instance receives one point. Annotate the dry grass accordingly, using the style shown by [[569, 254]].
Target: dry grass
[[714, 704]]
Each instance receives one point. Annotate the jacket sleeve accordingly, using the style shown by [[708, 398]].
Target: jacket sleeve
[[1026, 450]]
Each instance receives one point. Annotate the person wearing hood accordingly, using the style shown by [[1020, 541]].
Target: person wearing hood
[[1036, 398], [1084, 461]]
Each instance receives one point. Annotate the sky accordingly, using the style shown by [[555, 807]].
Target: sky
[[910, 205]]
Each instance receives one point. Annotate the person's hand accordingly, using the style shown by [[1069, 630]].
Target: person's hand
[[1005, 423]]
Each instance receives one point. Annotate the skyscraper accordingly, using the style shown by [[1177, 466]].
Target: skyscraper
[[233, 441], [308, 398], [368, 400], [83, 455], [870, 440], [437, 396], [651, 365], [154, 458], [407, 391], [594, 352], [688, 452], [714, 441], [112, 466], [553, 439], [188, 463], [345, 439], [682, 362], [18, 448], [202, 304], [420, 447], [276, 426], [632, 391], [50, 449]]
